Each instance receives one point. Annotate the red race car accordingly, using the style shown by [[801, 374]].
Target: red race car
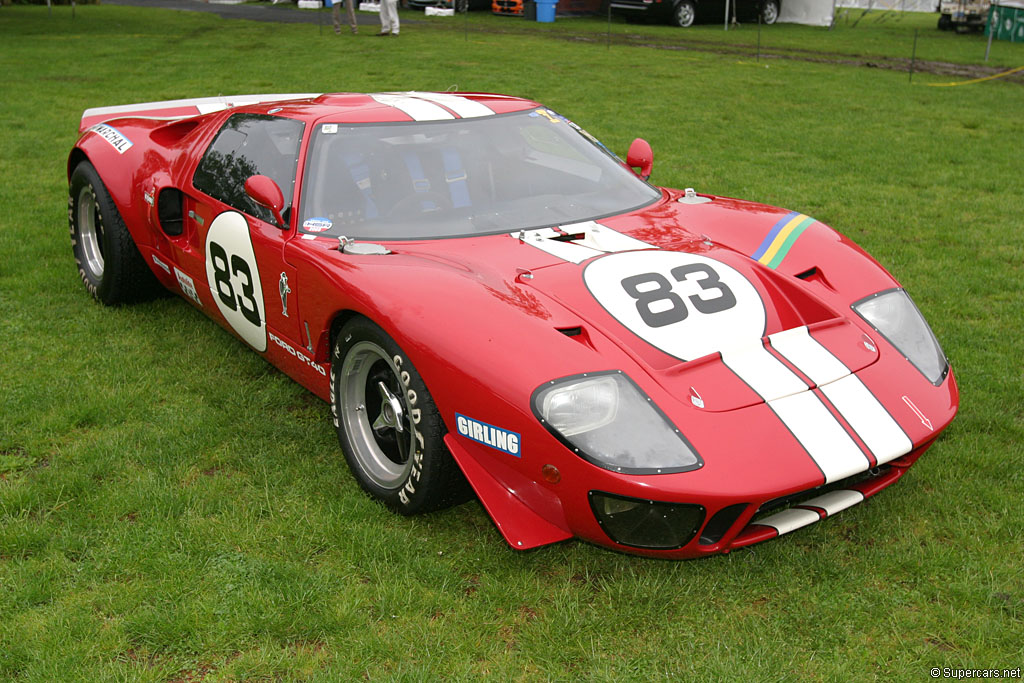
[[493, 302]]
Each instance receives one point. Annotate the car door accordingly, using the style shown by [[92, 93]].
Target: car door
[[237, 249]]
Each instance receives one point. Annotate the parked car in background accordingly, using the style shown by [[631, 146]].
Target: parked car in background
[[963, 15], [685, 13], [512, 8]]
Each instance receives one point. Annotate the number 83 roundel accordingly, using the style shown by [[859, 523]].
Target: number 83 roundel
[[234, 278], [684, 304]]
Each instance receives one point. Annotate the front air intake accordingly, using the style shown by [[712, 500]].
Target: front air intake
[[646, 523]]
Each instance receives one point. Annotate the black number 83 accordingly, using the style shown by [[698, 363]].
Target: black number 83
[[240, 269], [658, 305]]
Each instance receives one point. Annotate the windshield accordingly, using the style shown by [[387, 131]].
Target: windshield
[[461, 177]]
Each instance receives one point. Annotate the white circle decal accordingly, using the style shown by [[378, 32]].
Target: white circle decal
[[684, 304], [234, 278]]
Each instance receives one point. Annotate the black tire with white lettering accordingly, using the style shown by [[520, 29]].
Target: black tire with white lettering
[[389, 428], [109, 263]]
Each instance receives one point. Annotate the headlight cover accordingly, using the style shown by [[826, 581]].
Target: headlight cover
[[893, 314], [607, 420]]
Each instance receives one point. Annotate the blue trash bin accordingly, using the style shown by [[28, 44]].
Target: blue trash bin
[[546, 10]]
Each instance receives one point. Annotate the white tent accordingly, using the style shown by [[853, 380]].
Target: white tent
[[898, 5], [819, 12], [809, 12]]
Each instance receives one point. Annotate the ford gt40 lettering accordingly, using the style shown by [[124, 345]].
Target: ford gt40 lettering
[[692, 374]]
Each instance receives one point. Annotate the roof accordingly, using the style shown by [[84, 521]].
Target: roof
[[345, 107]]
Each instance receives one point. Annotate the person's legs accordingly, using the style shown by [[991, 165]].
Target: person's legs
[[350, 10], [389, 23]]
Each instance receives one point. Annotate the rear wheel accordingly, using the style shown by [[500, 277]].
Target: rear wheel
[[684, 14], [109, 263], [770, 12], [945, 22], [389, 428]]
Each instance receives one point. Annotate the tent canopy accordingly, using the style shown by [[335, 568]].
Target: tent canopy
[[819, 12]]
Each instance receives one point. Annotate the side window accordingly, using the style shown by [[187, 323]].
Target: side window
[[247, 145]]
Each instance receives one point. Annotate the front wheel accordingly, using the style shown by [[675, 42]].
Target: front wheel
[[389, 428], [109, 263], [684, 14], [770, 12]]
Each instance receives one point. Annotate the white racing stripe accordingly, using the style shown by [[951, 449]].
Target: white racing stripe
[[803, 413], [465, 108], [765, 373], [818, 431], [799, 516], [814, 360], [869, 419], [874, 425], [789, 520], [200, 103], [835, 501], [418, 109]]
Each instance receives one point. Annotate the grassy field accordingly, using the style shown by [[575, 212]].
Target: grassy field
[[877, 34], [172, 508]]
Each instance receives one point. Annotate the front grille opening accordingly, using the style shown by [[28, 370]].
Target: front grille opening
[[797, 498], [721, 523]]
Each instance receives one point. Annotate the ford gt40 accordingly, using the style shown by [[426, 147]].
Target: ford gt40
[[493, 303]]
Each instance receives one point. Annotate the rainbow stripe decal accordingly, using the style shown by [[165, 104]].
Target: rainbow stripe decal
[[781, 238]]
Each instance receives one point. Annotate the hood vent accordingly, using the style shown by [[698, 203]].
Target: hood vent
[[578, 242]]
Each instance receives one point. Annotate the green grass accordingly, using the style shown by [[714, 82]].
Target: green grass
[[879, 35], [172, 508]]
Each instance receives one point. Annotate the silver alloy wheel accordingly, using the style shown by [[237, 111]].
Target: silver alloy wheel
[[374, 411], [685, 14], [770, 14], [90, 232]]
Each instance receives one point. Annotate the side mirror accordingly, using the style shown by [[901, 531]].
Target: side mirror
[[265, 192], [640, 156]]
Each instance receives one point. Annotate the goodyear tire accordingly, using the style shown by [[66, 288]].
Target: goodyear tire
[[389, 428], [109, 263]]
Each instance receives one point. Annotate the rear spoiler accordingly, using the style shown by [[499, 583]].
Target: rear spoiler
[[180, 109]]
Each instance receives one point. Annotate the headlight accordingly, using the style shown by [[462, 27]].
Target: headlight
[[895, 317], [607, 420]]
